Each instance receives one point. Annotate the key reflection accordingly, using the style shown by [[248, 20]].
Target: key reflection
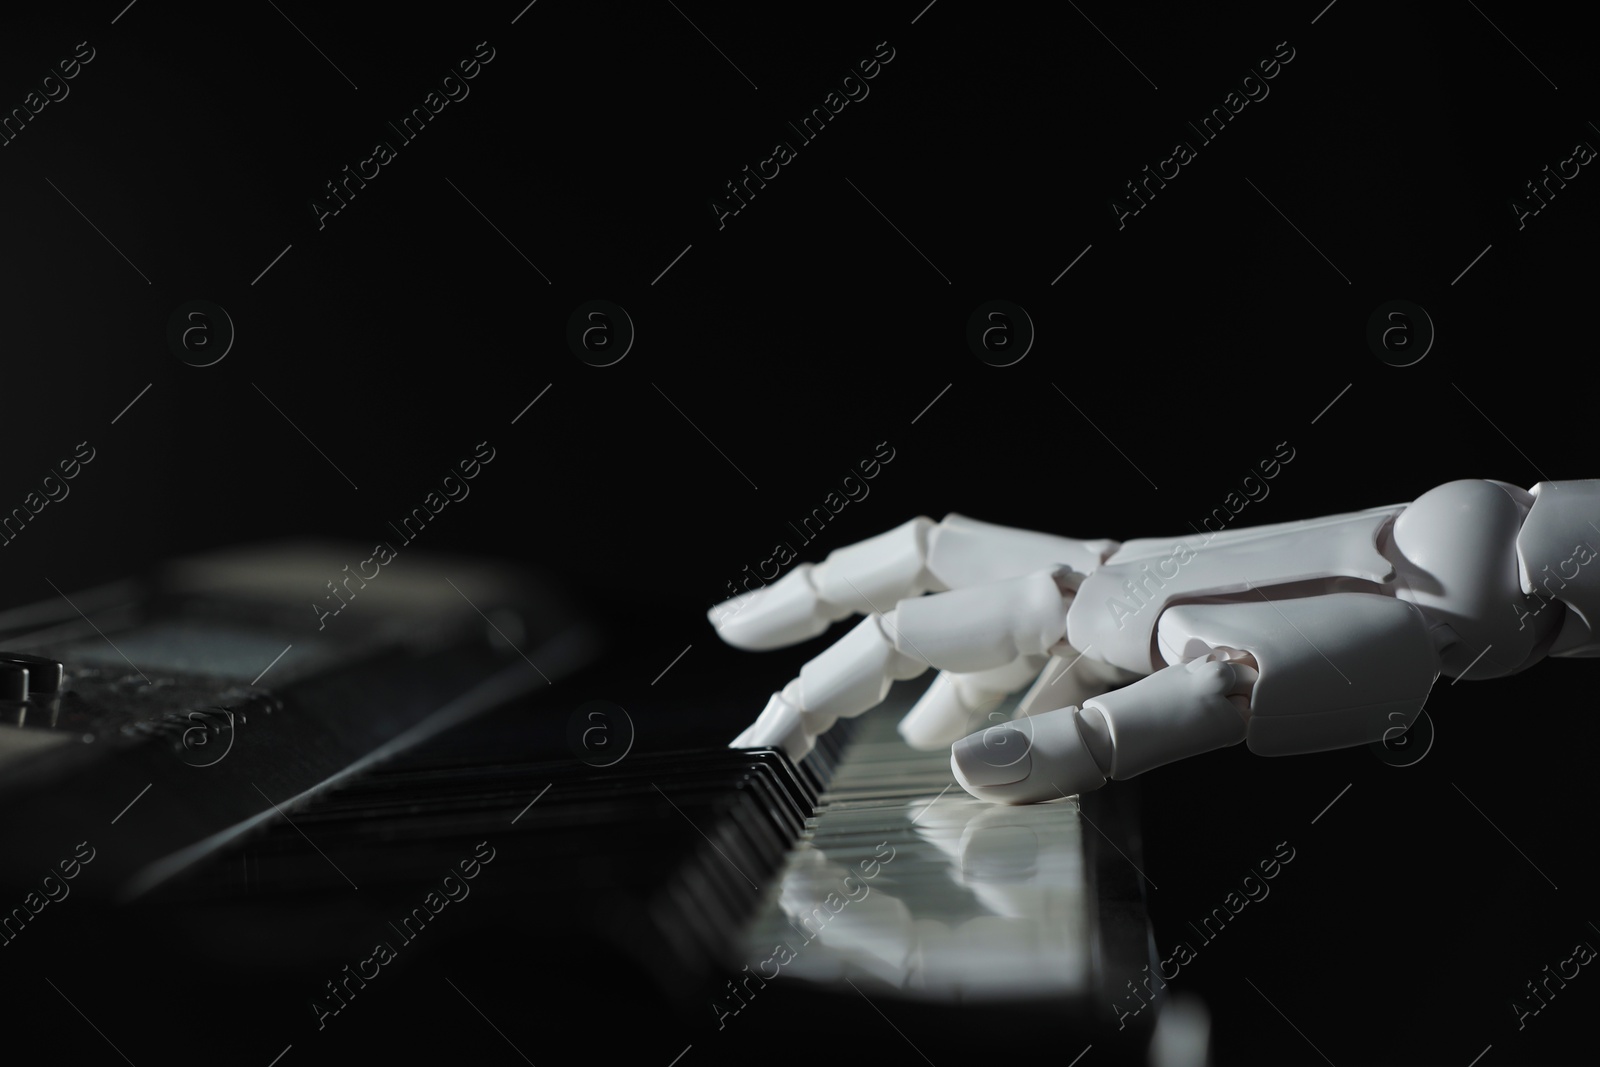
[[948, 898]]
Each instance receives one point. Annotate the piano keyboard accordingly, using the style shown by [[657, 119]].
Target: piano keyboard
[[878, 876]]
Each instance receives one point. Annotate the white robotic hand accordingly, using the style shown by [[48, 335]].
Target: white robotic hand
[[1296, 637]]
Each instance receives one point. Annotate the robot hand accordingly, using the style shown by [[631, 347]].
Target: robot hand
[[1296, 637]]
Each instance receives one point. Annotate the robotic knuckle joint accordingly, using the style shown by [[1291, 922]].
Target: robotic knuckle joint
[[1211, 676]]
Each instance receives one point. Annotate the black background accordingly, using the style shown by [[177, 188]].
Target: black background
[[808, 329]]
